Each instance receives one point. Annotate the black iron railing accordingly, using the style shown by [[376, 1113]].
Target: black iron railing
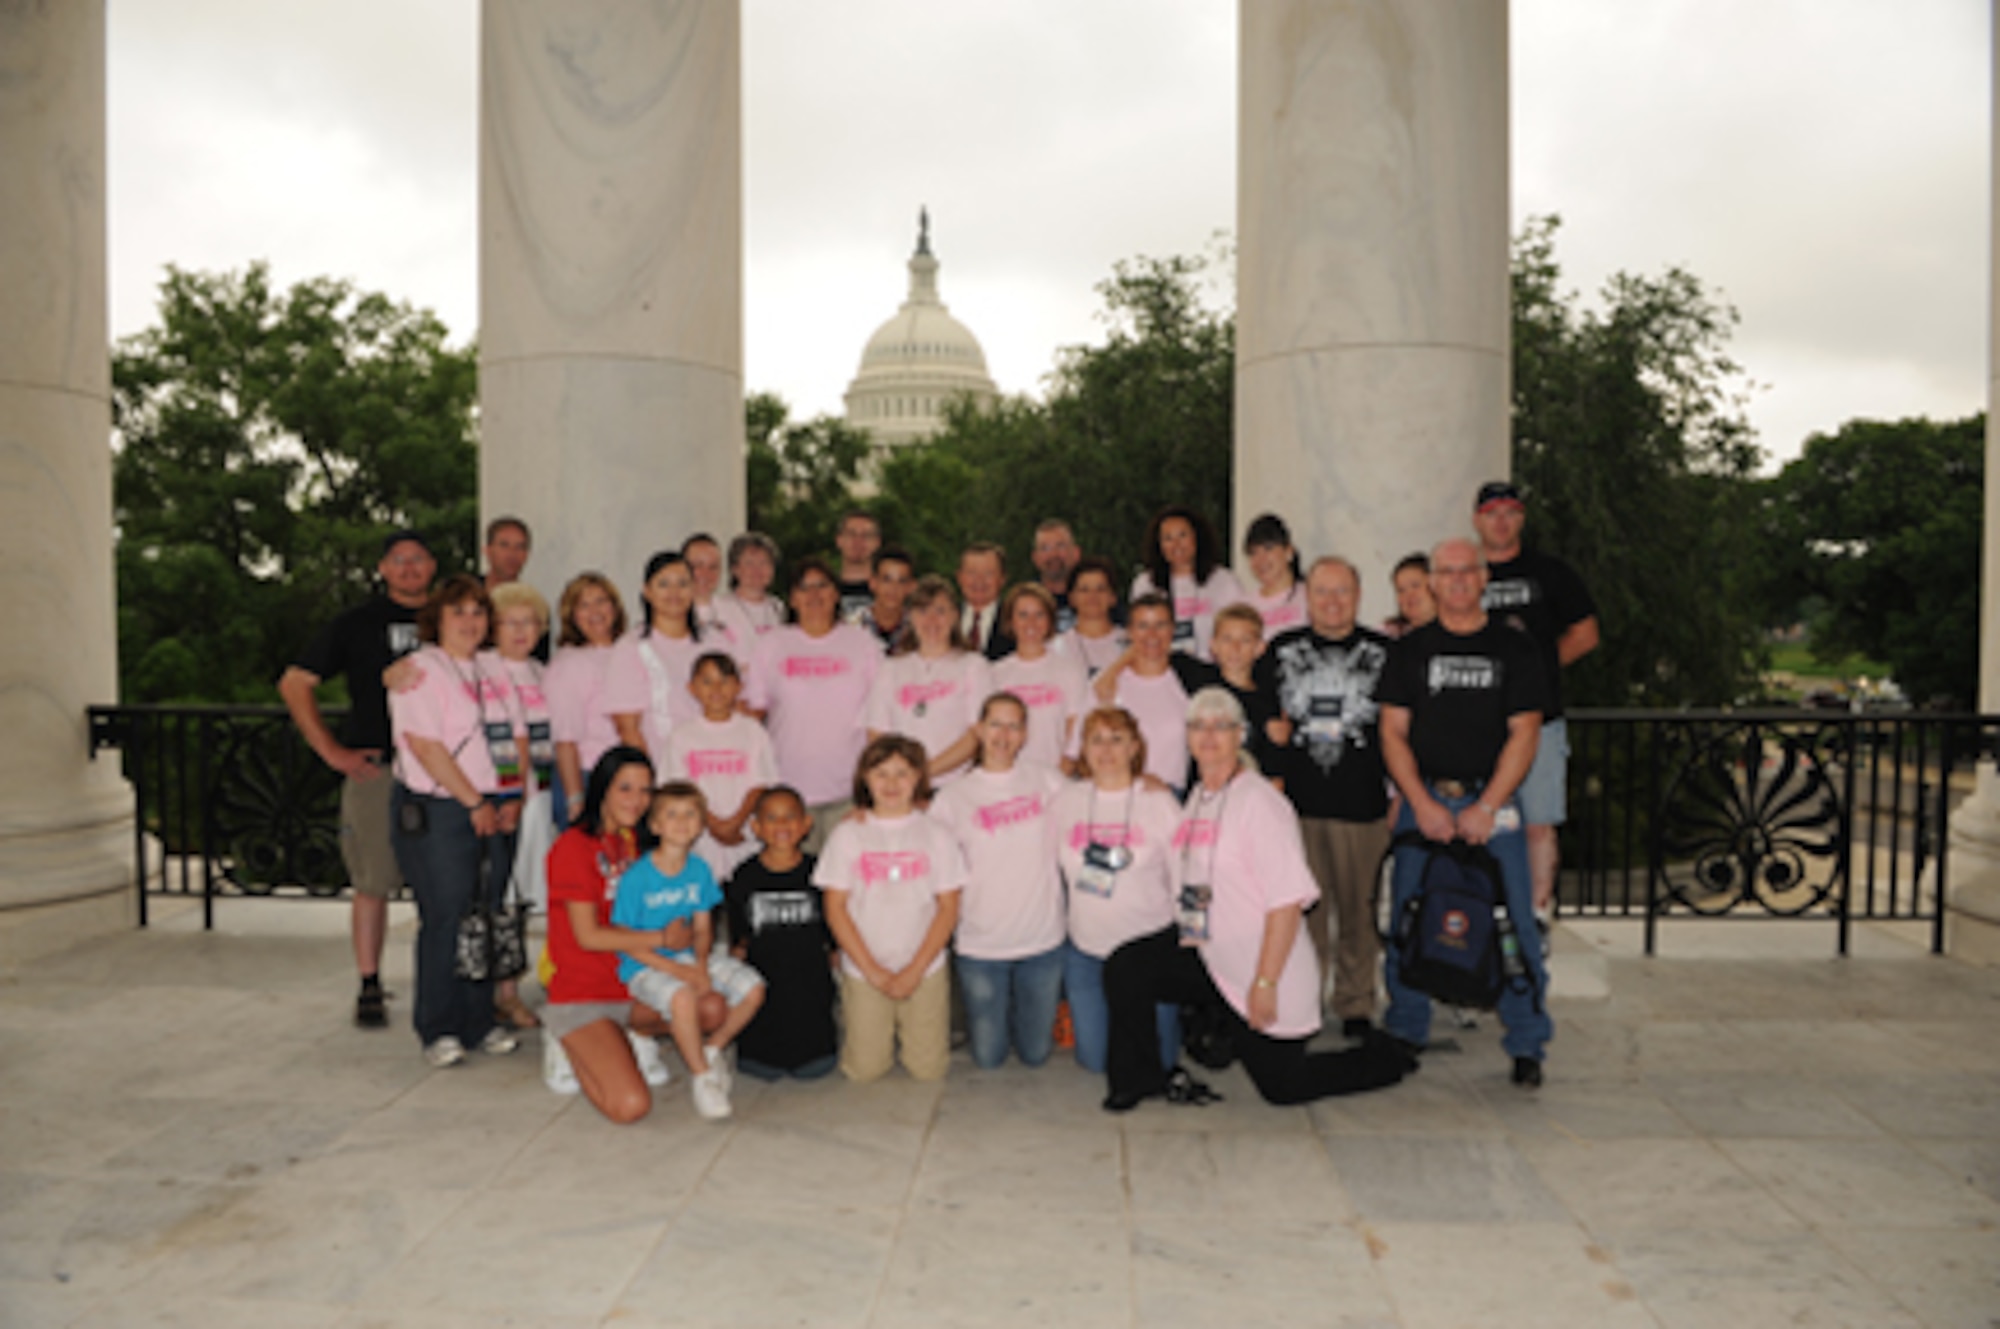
[[1808, 814], [1720, 814]]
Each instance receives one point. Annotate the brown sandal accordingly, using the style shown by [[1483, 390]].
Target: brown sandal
[[514, 1013]]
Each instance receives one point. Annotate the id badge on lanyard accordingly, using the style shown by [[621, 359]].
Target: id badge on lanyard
[[1191, 912], [506, 755], [541, 750], [1101, 865]]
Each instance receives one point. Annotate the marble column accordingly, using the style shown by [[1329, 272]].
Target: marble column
[[611, 278], [1972, 926], [1372, 273], [65, 821]]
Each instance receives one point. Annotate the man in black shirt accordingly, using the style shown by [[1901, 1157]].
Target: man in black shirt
[[1055, 557], [857, 537], [1462, 702], [1321, 678], [1543, 596], [359, 645], [889, 585]]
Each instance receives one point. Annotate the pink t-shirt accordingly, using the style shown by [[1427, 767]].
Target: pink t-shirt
[[1141, 898], [584, 693], [816, 692], [658, 668], [725, 761], [1096, 653], [1159, 704], [1013, 902], [451, 704], [747, 620], [1282, 612], [523, 678], [893, 870], [1195, 606], [1244, 844], [1056, 690], [932, 701]]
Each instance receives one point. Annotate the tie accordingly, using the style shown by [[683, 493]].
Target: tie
[[977, 644]]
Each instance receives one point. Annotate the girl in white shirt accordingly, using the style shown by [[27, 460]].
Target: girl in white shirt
[[1054, 687], [1184, 561]]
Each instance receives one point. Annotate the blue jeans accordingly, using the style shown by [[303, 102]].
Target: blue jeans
[[442, 865], [1524, 1015], [1021, 994], [1090, 1013]]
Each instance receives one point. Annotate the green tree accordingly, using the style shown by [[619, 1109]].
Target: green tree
[[1631, 444], [800, 476], [1879, 523], [264, 442]]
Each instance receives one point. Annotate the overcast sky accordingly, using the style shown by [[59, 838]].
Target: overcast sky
[[1823, 164]]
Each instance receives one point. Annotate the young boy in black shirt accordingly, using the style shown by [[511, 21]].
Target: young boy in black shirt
[[779, 928]]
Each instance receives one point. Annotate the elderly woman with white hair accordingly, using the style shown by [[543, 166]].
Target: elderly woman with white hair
[[1242, 885]]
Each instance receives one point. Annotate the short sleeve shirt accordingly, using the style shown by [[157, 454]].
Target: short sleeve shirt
[[816, 692], [1327, 689], [1138, 899], [893, 870], [1541, 595], [1013, 901], [584, 868], [1460, 690], [358, 645], [649, 899]]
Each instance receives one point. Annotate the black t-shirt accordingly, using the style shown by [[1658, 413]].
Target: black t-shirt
[[1541, 595], [359, 645], [855, 598], [1460, 691], [778, 916], [1326, 688], [1258, 709]]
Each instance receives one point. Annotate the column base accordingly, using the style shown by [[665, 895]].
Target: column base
[[33, 931], [1972, 906]]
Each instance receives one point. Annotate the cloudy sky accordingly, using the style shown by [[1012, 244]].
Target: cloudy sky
[[1821, 163]]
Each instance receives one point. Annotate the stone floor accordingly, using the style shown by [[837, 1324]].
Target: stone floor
[[1744, 1132]]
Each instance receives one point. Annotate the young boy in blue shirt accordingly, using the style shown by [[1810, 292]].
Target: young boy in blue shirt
[[668, 884]]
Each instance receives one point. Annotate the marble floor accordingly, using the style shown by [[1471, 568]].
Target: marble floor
[[192, 1134]]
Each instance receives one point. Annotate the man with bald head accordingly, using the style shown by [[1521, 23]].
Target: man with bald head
[[1321, 679], [1462, 702]]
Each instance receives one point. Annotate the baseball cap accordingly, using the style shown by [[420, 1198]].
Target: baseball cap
[[1497, 491]]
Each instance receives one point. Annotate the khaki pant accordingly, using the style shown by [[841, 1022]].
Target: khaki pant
[[921, 1021], [825, 817], [1346, 861], [365, 844]]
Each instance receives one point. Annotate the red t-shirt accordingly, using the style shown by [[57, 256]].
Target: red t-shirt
[[585, 867]]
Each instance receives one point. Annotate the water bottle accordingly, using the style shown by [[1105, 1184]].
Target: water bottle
[[1510, 944]]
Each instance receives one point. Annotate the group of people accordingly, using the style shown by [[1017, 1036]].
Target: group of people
[[821, 832]]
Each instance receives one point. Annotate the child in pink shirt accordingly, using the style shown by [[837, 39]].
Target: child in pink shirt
[[1009, 945], [930, 687], [727, 755]]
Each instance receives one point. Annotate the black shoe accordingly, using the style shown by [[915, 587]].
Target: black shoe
[[1356, 1028], [1116, 1102], [1527, 1072], [1183, 1090], [1405, 1051], [371, 1010]]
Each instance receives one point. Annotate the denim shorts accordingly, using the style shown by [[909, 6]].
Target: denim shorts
[[1544, 795]]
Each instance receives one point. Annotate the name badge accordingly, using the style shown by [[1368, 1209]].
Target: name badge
[[506, 755], [541, 749], [1191, 913], [1101, 865]]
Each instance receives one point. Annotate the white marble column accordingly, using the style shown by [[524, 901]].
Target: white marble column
[[65, 822], [1972, 930], [611, 278], [1372, 272]]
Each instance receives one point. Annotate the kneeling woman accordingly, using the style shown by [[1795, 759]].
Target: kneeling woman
[[1242, 882], [586, 1025]]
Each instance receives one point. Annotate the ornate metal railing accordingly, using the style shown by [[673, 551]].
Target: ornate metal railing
[[1766, 814], [1717, 814], [229, 801]]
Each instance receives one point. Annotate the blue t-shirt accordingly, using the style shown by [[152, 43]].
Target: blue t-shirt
[[649, 900]]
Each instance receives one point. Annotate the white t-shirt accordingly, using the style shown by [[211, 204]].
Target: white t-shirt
[[660, 667], [932, 701], [1244, 844], [725, 761], [893, 870], [584, 692], [1195, 606], [1096, 653], [1056, 690], [531, 704], [1281, 612], [451, 704], [1159, 704], [1013, 902], [816, 692], [1141, 893]]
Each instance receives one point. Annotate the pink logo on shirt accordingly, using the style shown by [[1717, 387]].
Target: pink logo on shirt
[[911, 695], [877, 867], [485, 690], [717, 762], [1194, 834], [1190, 606], [1105, 833], [1283, 616], [1009, 812], [815, 666], [1038, 694], [531, 695]]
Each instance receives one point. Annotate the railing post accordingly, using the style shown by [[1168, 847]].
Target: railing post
[[1844, 898], [1655, 864]]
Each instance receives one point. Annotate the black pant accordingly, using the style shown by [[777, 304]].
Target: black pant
[[441, 863], [1157, 968]]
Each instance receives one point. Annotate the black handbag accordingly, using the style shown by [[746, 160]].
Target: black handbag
[[492, 934]]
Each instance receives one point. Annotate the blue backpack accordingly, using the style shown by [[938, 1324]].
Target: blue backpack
[[1453, 939]]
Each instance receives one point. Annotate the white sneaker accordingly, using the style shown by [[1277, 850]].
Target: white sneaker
[[499, 1041], [647, 1052], [711, 1099], [722, 1062], [556, 1072], [443, 1052]]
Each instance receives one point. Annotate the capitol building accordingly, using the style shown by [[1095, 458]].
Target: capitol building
[[917, 362]]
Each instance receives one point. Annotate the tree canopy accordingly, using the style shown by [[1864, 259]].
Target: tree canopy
[[264, 442]]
